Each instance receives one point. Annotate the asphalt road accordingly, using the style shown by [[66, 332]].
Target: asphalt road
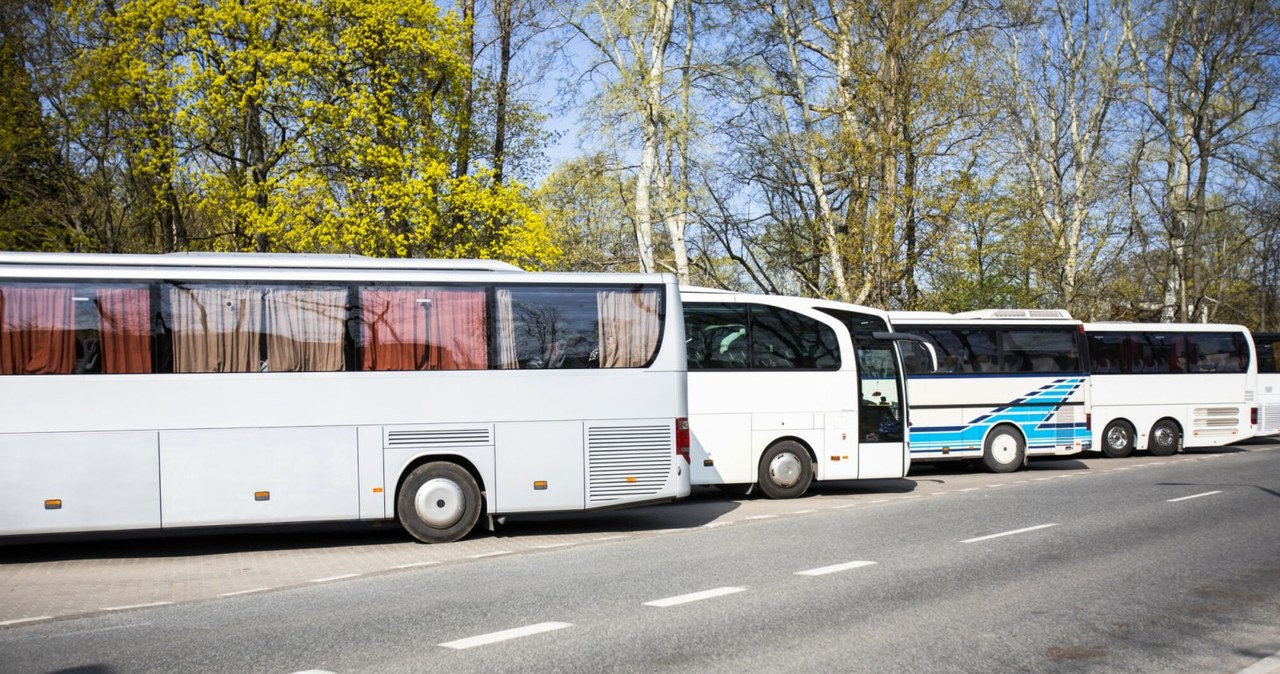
[[1138, 565]]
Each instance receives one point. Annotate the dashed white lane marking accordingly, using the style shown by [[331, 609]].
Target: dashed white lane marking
[[694, 596], [1187, 498], [504, 635], [879, 500], [912, 496], [1263, 666], [19, 621], [413, 565], [1042, 479], [491, 554], [240, 592], [712, 525], [971, 489], [834, 568], [842, 506], [802, 512], [332, 578], [132, 606], [552, 545], [609, 538], [1009, 533], [760, 517]]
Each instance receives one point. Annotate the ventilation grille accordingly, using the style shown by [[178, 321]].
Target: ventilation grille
[[626, 462], [1066, 436], [444, 437], [1217, 417], [1270, 418]]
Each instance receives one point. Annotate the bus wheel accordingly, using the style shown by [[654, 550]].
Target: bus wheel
[[785, 470], [1165, 438], [1117, 439], [439, 502], [1004, 451]]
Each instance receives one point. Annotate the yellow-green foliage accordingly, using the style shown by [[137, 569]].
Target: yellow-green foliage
[[307, 125]]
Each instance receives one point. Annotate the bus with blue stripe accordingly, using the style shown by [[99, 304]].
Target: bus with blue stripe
[[1008, 385]]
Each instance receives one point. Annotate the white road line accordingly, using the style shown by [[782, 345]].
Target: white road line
[[995, 486], [760, 517], [1042, 479], [504, 635], [553, 545], [1009, 533], [610, 538], [971, 489], [19, 621], [824, 570], [913, 496], [880, 500], [694, 596], [1263, 666], [802, 512], [1187, 498], [235, 594], [712, 525], [342, 577], [842, 506], [413, 565], [491, 554], [131, 606]]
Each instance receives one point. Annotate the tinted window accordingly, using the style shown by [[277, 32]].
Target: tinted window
[[568, 327], [1217, 352], [962, 350], [1109, 352], [788, 340], [1268, 346], [716, 336], [880, 411], [1040, 350]]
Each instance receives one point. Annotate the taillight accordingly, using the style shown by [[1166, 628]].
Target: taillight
[[1253, 416], [682, 438], [1088, 421]]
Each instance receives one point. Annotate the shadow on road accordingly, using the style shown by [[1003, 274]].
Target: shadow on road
[[196, 542]]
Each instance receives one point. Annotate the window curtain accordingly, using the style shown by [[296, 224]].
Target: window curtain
[[506, 336], [628, 323], [455, 323], [215, 329], [305, 329], [393, 328], [424, 329], [125, 330], [37, 330]]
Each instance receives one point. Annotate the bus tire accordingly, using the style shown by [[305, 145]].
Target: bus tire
[[1117, 439], [785, 470], [1004, 451], [439, 502], [1165, 438]]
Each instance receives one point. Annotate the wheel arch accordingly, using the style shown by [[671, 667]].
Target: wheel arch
[[1005, 424], [813, 457], [460, 461]]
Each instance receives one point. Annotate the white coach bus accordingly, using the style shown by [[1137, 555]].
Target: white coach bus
[[162, 391], [1158, 387], [1268, 346], [785, 390], [1009, 384]]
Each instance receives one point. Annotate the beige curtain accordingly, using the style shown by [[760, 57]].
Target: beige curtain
[[305, 329], [628, 327], [506, 331], [215, 329]]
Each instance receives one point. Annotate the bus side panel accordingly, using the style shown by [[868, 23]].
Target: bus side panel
[[724, 440], [373, 488], [839, 456], [540, 466], [243, 476], [1208, 406], [105, 481]]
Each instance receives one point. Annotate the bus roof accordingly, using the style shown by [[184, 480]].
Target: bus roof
[[252, 261]]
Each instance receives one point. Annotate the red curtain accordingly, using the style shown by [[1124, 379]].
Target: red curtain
[[393, 329], [37, 330], [457, 331], [126, 330], [424, 329]]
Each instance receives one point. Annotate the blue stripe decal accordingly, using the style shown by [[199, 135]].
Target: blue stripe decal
[[1035, 413]]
